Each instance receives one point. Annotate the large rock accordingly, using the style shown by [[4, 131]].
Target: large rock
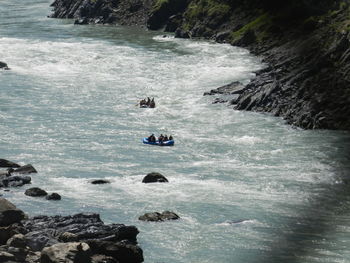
[[25, 169], [4, 66], [72, 252], [123, 251], [48, 230], [9, 214], [155, 216], [53, 196], [154, 178], [8, 164], [35, 191]]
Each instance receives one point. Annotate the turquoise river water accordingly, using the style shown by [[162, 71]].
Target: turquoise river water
[[248, 187]]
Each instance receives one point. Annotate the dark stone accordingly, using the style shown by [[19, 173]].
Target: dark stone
[[154, 178], [159, 16], [25, 169], [122, 251], [246, 39], [53, 196], [9, 214], [100, 181], [180, 33], [155, 216], [230, 89], [15, 181], [35, 191], [173, 23], [48, 230], [4, 66], [6, 163]]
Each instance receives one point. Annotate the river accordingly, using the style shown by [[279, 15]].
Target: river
[[248, 187]]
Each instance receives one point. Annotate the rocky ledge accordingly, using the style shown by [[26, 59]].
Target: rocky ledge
[[82, 238], [305, 44]]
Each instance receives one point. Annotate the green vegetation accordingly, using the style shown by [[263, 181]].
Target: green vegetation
[[260, 26], [214, 11]]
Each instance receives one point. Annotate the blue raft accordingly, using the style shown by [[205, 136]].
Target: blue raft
[[165, 143]]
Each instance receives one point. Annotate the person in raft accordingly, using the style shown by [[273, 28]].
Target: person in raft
[[148, 102], [152, 138], [161, 138]]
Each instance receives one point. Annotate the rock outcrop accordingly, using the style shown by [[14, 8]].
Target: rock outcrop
[[77, 238]]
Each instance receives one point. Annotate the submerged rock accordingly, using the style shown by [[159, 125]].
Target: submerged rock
[[155, 216], [100, 181], [154, 178]]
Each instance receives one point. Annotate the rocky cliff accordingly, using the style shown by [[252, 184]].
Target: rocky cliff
[[304, 42]]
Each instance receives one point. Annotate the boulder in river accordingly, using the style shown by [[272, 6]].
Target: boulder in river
[[155, 216], [154, 178], [53, 196], [35, 191], [4, 66]]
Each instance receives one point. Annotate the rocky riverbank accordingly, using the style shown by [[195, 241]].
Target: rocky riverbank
[[80, 238], [304, 43]]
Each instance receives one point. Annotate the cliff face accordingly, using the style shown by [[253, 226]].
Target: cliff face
[[305, 43]]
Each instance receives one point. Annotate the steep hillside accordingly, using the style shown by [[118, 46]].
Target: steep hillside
[[305, 43]]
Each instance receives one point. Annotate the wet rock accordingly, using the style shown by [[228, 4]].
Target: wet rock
[[15, 181], [9, 214], [70, 252], [35, 191], [83, 226], [100, 181], [230, 89], [4, 66], [123, 251], [155, 216], [25, 169], [181, 33], [6, 163], [154, 178], [53, 196]]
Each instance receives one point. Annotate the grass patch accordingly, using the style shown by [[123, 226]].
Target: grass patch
[[260, 25]]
